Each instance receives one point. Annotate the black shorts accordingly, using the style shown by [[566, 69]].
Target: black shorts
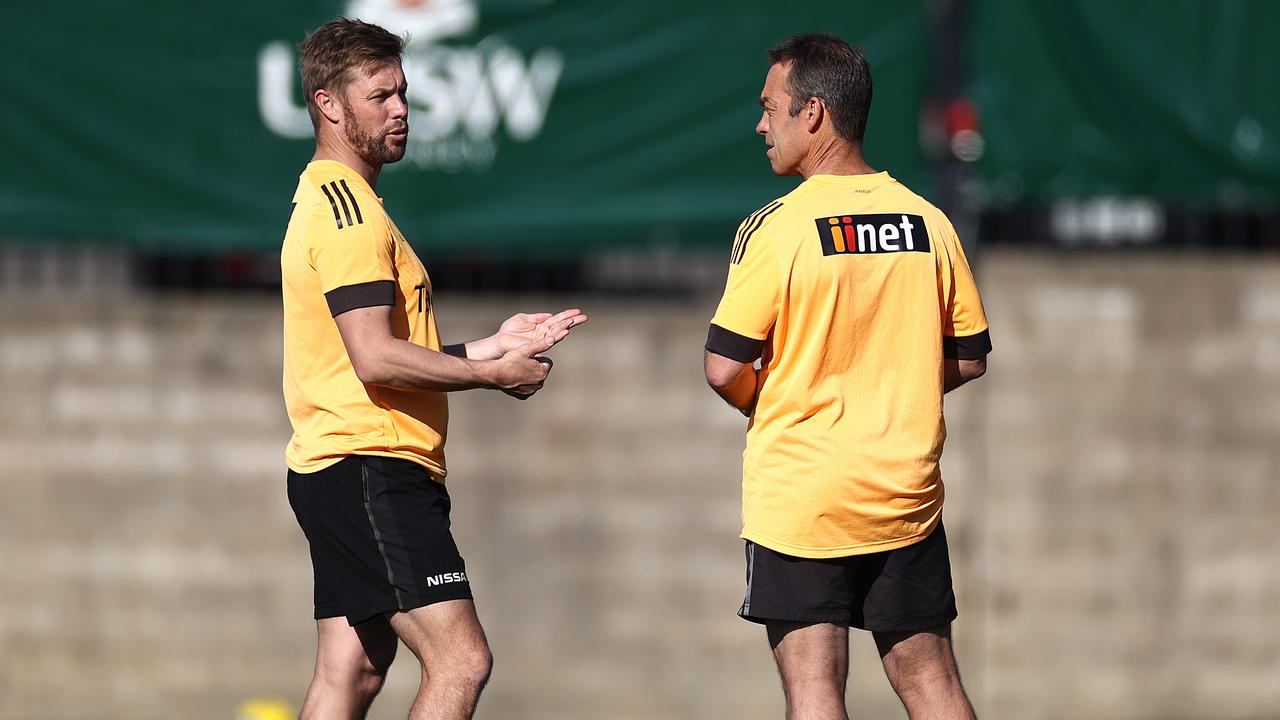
[[379, 534], [902, 590]]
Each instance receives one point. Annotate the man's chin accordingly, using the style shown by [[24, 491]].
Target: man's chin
[[784, 170], [389, 153], [395, 150]]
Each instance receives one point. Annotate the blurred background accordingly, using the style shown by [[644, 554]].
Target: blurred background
[[1113, 168]]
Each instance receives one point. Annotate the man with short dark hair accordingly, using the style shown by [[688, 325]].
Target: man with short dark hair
[[365, 383], [855, 295]]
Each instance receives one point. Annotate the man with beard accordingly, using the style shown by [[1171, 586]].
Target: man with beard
[[365, 377]]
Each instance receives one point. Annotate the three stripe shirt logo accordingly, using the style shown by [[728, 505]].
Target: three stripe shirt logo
[[749, 228], [341, 196]]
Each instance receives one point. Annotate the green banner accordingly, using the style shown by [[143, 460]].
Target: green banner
[[1170, 99], [536, 125]]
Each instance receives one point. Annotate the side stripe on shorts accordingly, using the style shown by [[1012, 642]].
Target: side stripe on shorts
[[377, 532]]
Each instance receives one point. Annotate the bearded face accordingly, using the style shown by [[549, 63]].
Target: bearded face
[[375, 113], [378, 143]]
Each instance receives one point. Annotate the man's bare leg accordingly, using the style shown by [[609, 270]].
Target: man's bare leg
[[813, 660], [456, 662], [922, 669], [351, 665]]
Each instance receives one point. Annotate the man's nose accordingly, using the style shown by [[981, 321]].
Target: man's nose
[[762, 127], [400, 107]]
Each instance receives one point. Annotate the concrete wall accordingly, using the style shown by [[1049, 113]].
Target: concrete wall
[[1112, 492]]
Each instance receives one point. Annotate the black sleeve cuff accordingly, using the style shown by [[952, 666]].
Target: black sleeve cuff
[[970, 347], [369, 294], [459, 350], [732, 345]]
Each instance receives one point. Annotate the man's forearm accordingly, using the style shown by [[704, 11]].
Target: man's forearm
[[379, 358], [399, 363]]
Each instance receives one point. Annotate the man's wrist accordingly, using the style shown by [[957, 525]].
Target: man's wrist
[[486, 373], [486, 348], [483, 349]]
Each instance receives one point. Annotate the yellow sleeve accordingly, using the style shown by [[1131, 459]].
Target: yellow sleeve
[[965, 334], [355, 262], [752, 295]]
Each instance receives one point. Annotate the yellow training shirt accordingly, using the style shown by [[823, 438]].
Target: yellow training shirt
[[342, 252], [853, 289]]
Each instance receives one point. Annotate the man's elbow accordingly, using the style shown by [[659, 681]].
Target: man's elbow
[[718, 379], [371, 371], [973, 369], [721, 372]]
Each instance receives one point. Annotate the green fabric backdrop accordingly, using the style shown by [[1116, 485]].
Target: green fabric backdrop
[[540, 126], [549, 125], [1173, 99]]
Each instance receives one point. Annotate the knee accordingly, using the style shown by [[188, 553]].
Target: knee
[[925, 681], [477, 665], [920, 668], [352, 675], [468, 666], [370, 679]]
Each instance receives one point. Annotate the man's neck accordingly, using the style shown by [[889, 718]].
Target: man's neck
[[328, 148], [835, 158]]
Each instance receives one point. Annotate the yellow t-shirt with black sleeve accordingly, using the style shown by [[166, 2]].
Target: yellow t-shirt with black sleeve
[[341, 252], [851, 289]]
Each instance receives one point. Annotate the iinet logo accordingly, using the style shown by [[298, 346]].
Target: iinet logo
[[872, 234], [446, 578]]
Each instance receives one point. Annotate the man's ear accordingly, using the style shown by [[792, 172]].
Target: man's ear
[[328, 104], [814, 111]]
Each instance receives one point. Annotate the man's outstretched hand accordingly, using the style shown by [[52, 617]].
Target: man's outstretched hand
[[524, 337], [523, 328]]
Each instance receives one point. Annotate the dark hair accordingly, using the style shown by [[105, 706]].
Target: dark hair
[[336, 48], [828, 68]]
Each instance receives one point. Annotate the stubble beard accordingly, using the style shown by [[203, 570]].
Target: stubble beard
[[372, 147]]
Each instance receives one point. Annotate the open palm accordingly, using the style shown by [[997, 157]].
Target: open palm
[[523, 328]]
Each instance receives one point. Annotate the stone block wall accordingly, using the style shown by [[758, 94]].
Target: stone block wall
[[1112, 487]]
